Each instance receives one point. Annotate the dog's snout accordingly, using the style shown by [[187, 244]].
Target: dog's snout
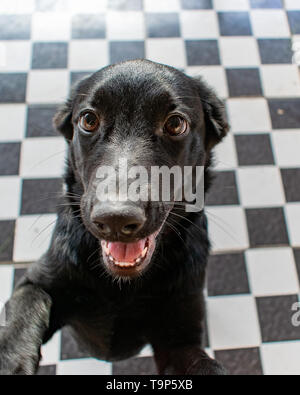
[[126, 221]]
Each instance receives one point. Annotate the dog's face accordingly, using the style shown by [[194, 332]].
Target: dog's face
[[142, 114]]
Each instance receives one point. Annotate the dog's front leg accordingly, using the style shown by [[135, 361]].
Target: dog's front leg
[[28, 315], [176, 337], [187, 360]]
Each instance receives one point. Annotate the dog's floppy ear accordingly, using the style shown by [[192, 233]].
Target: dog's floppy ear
[[63, 120], [214, 113]]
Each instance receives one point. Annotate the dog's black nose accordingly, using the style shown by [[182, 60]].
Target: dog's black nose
[[125, 221]]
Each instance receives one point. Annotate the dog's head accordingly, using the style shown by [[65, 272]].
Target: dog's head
[[139, 114]]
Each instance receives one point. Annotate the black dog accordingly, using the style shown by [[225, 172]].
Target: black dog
[[124, 275]]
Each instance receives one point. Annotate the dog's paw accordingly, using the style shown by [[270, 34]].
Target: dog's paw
[[206, 367], [18, 357]]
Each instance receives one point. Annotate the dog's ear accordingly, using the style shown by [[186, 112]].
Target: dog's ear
[[214, 114], [63, 120]]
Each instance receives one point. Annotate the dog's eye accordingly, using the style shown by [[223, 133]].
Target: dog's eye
[[175, 126], [89, 122]]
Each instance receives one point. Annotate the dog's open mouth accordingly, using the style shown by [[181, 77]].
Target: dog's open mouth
[[128, 259]]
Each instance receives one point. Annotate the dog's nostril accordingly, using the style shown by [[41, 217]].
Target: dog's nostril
[[129, 229], [104, 228]]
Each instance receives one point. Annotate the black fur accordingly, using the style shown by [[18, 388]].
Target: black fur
[[70, 285]]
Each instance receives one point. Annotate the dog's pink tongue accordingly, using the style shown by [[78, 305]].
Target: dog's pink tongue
[[126, 252]]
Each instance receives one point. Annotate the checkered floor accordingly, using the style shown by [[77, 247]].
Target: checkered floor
[[244, 49]]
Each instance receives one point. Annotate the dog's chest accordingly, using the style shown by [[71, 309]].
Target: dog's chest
[[110, 332]]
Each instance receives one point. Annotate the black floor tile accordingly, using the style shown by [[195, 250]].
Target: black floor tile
[[18, 275], [15, 27], [294, 20], [91, 26], [254, 150], [126, 50], [78, 75], [69, 347], [49, 370], [267, 227], [241, 362], [275, 51], [50, 56], [13, 87], [50, 5], [39, 121], [285, 113], [7, 232], [9, 159], [162, 25], [196, 4], [202, 52], [40, 196], [275, 317], [244, 82], [129, 5], [223, 190], [235, 24], [297, 260], [135, 366], [227, 275], [291, 183], [266, 3]]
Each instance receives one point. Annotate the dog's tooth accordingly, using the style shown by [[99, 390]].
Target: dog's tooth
[[139, 260], [144, 252], [111, 258], [106, 250]]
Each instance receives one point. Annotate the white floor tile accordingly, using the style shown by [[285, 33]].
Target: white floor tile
[[47, 86], [32, 237], [249, 115], [199, 24], [17, 56], [88, 55], [87, 6], [167, 51], [51, 351], [286, 147], [260, 186], [43, 23], [162, 6], [125, 26], [292, 4], [14, 7], [83, 367], [272, 271], [281, 358], [233, 322], [213, 75], [292, 211], [231, 5], [7, 278], [10, 195], [280, 80], [225, 157], [239, 51], [12, 131], [270, 23], [43, 158], [227, 228]]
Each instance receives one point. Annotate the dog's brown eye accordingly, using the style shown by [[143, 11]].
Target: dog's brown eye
[[89, 122], [175, 125]]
